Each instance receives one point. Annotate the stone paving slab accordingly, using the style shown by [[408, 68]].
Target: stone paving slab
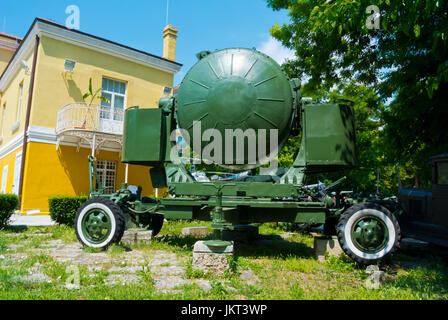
[[196, 232], [323, 245], [31, 221], [167, 269]]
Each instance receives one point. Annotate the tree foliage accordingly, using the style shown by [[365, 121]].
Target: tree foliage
[[404, 62]]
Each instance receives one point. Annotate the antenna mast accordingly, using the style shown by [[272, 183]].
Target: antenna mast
[[167, 7]]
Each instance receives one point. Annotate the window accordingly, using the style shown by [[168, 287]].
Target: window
[[115, 92], [16, 177], [19, 104], [4, 179], [442, 173], [107, 171]]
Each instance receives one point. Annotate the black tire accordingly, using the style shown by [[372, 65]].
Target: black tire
[[154, 222], [378, 227], [100, 210], [330, 226]]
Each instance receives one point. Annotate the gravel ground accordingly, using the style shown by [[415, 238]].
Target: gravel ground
[[167, 269]]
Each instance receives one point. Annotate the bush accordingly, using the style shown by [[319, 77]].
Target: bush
[[8, 203], [63, 209]]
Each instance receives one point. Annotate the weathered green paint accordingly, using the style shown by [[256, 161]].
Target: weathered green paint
[[177, 212], [236, 88], [239, 211], [329, 135], [158, 177], [143, 141], [242, 189]]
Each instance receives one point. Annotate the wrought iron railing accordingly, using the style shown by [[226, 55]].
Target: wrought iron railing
[[84, 117]]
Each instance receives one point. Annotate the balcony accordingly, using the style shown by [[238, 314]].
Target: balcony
[[96, 125]]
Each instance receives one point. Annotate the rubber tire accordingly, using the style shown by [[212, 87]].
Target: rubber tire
[[152, 221], [330, 226], [347, 244], [156, 224], [115, 214], [156, 219]]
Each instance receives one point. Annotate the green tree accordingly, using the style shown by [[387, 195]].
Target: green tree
[[405, 61]]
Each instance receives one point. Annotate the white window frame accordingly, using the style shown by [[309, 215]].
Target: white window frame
[[102, 168], [16, 176], [112, 100], [4, 179]]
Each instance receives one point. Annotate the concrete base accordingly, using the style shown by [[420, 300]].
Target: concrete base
[[323, 245], [211, 260], [241, 233], [18, 220], [195, 232], [136, 236]]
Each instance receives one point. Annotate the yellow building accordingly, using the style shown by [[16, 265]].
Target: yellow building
[[47, 130]]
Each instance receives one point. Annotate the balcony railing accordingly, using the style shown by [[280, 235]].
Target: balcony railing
[[93, 118]]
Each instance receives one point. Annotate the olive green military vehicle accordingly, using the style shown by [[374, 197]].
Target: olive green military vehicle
[[241, 96]]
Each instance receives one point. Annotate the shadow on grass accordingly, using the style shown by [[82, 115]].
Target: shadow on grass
[[421, 255], [265, 246], [123, 247], [16, 229], [273, 246], [185, 243]]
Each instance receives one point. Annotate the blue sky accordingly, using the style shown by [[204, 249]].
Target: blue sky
[[202, 24]]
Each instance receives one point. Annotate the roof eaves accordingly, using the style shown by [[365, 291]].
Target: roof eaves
[[106, 40], [10, 36], [82, 33]]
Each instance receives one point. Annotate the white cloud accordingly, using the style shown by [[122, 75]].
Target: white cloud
[[275, 50]]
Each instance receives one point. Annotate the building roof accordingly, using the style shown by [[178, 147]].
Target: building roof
[[53, 29], [443, 156], [5, 35], [102, 39]]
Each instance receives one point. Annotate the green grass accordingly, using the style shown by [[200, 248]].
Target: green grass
[[175, 227], [283, 269], [146, 277]]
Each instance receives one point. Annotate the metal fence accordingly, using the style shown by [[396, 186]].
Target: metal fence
[[82, 116]]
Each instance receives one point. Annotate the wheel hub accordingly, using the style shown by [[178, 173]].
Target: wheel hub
[[370, 234], [96, 225]]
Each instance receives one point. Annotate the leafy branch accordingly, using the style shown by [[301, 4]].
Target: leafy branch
[[94, 95]]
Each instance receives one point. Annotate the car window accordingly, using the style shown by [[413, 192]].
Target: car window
[[442, 173]]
